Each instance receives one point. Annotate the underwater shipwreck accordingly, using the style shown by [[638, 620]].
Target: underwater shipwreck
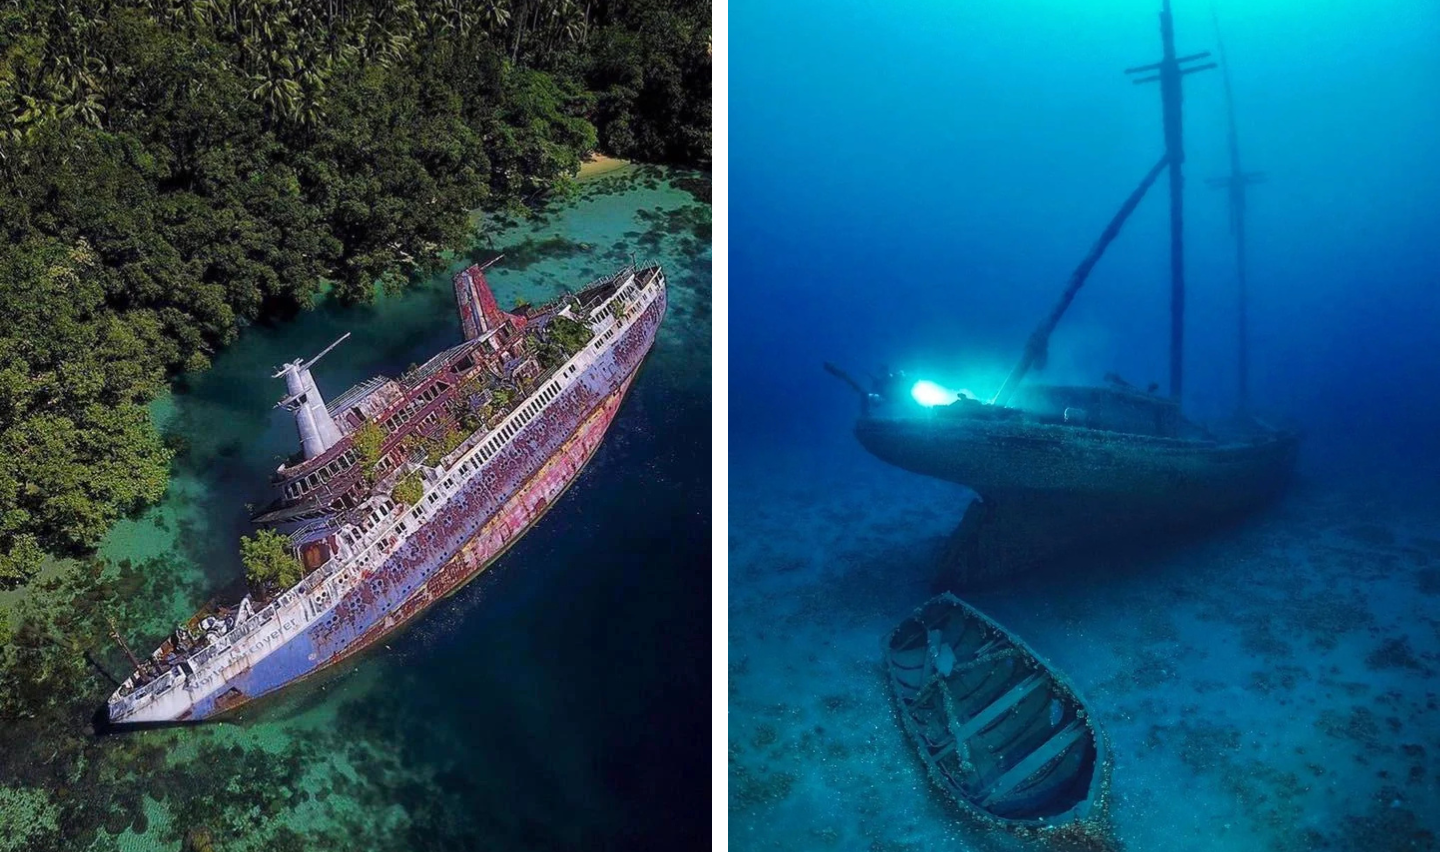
[[1059, 470], [1064, 470]]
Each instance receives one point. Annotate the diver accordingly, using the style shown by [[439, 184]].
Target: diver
[[867, 398], [890, 385]]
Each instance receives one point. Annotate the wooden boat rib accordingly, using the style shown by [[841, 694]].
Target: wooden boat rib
[[1001, 733]]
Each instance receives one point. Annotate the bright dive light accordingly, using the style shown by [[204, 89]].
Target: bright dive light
[[929, 394]]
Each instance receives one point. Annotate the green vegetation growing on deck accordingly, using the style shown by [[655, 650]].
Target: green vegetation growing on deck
[[571, 335], [268, 560], [409, 489], [367, 442], [437, 448], [561, 339], [171, 172]]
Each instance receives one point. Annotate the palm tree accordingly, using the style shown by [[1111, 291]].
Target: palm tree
[[495, 15]]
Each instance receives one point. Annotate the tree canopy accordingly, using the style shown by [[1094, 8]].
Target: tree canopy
[[268, 560], [171, 170]]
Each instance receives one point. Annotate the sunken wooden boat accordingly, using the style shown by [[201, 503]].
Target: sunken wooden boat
[[1000, 732], [1062, 471]]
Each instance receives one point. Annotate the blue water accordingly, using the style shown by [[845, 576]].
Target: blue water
[[912, 184]]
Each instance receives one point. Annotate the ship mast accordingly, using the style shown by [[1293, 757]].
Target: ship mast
[[1037, 346], [115, 634], [1236, 182], [1168, 72]]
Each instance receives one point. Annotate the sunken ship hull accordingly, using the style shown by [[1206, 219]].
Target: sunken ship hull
[[380, 576], [1053, 487]]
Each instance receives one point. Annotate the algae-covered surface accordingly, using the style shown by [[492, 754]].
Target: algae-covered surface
[[1270, 687], [555, 702]]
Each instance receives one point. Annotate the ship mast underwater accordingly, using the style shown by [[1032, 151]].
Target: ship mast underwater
[[1236, 182], [1060, 470]]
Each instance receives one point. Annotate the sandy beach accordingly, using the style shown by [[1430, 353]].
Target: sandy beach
[[599, 164]]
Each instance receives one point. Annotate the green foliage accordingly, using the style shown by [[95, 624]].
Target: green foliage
[[77, 447], [32, 819], [368, 440], [409, 489], [649, 67], [502, 398], [268, 560], [547, 353], [571, 335], [49, 686], [44, 676], [562, 338], [437, 449], [21, 561]]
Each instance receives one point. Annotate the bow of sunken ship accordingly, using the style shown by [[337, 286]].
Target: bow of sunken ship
[[404, 489]]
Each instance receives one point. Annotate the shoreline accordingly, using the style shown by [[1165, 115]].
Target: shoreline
[[598, 165]]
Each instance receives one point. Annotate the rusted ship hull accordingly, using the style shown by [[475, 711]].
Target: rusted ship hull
[[1050, 490], [375, 616], [464, 524]]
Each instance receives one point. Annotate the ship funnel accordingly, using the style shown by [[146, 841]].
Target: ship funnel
[[317, 429]]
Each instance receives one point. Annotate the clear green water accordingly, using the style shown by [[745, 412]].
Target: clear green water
[[558, 701]]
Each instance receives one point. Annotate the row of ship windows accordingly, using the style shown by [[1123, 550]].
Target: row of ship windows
[[299, 487], [492, 444], [419, 402], [534, 407], [380, 511]]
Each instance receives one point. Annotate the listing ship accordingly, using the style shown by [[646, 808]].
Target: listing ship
[[403, 490]]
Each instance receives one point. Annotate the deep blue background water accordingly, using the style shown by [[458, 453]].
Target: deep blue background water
[[914, 181]]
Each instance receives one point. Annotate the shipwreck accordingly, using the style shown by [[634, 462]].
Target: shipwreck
[[404, 489], [1060, 470]]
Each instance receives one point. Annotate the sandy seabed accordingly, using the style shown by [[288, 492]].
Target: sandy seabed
[[1271, 687]]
